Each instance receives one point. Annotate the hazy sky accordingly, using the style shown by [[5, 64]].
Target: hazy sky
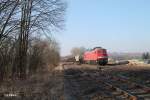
[[117, 25]]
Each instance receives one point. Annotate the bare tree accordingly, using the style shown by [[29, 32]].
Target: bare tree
[[8, 10], [146, 55], [44, 16], [22, 20], [78, 51], [44, 55], [40, 15]]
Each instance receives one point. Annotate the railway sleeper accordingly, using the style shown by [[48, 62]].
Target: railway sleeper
[[145, 96], [121, 93], [129, 95], [123, 78], [129, 85]]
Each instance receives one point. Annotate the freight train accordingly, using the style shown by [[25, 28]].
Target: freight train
[[97, 55]]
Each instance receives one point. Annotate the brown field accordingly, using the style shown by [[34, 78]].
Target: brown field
[[80, 85], [74, 85]]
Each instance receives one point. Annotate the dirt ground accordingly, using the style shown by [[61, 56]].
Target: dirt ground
[[54, 86], [139, 74]]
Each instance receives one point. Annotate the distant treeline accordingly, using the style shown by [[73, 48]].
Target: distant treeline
[[125, 56]]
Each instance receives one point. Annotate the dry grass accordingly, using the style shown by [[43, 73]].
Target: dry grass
[[42, 86]]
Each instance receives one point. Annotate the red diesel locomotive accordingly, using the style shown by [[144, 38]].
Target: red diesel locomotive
[[97, 55]]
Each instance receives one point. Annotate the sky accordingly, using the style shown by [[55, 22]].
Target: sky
[[117, 25]]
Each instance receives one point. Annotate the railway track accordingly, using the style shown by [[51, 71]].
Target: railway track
[[86, 85]]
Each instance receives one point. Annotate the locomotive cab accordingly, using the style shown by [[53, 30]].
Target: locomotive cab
[[102, 57], [97, 55]]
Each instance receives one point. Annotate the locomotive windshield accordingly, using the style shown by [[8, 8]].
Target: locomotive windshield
[[101, 51]]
